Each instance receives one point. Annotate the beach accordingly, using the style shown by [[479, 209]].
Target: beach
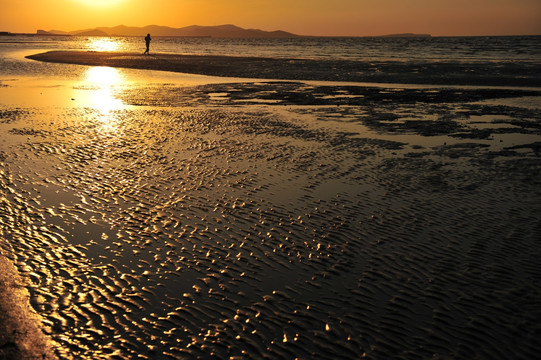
[[277, 209]]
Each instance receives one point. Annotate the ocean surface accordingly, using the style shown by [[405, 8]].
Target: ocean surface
[[157, 215], [491, 48]]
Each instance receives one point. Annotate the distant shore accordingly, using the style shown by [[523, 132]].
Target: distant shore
[[418, 72]]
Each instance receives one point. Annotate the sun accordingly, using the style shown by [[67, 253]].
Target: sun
[[100, 3]]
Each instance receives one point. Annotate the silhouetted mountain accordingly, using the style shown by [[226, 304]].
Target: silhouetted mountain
[[221, 31], [58, 32], [51, 33], [94, 32]]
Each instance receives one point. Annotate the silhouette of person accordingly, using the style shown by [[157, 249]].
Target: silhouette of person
[[147, 40]]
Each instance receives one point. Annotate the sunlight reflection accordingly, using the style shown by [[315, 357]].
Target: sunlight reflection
[[102, 82], [103, 44], [103, 76], [105, 102]]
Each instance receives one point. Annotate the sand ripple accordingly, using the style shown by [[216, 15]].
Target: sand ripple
[[242, 233]]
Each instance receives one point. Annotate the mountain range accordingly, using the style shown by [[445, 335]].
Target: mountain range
[[221, 31]]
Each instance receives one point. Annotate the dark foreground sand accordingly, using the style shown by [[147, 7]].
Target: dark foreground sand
[[418, 72], [21, 337], [278, 220]]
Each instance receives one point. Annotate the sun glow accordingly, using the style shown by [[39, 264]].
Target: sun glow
[[98, 3]]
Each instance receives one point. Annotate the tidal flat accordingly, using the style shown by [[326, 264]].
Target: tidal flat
[[274, 219]]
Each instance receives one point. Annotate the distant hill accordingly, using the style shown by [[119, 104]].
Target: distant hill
[[94, 32], [51, 33], [221, 31]]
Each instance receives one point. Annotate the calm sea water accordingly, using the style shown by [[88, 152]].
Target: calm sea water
[[508, 48]]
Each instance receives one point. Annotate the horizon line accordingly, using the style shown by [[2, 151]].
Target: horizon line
[[9, 33]]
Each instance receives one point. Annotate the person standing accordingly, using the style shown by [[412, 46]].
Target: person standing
[[147, 40]]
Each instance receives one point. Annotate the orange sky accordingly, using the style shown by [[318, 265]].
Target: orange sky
[[305, 17]]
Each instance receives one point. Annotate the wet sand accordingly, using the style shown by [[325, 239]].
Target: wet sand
[[20, 327], [417, 72], [278, 220]]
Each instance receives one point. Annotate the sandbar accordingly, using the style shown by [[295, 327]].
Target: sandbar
[[395, 71]]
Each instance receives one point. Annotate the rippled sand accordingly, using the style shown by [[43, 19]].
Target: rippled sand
[[279, 220]]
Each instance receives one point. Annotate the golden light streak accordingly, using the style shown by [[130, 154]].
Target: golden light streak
[[102, 97], [103, 44]]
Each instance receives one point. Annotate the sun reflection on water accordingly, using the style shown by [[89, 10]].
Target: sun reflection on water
[[104, 44], [103, 76], [101, 83]]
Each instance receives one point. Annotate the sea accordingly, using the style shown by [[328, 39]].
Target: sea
[[473, 48]]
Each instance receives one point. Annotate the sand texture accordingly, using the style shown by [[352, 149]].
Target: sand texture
[[21, 337], [275, 220], [442, 72]]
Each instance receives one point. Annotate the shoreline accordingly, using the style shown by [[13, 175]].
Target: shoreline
[[426, 73]]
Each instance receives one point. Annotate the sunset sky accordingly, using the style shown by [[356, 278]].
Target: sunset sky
[[305, 17]]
